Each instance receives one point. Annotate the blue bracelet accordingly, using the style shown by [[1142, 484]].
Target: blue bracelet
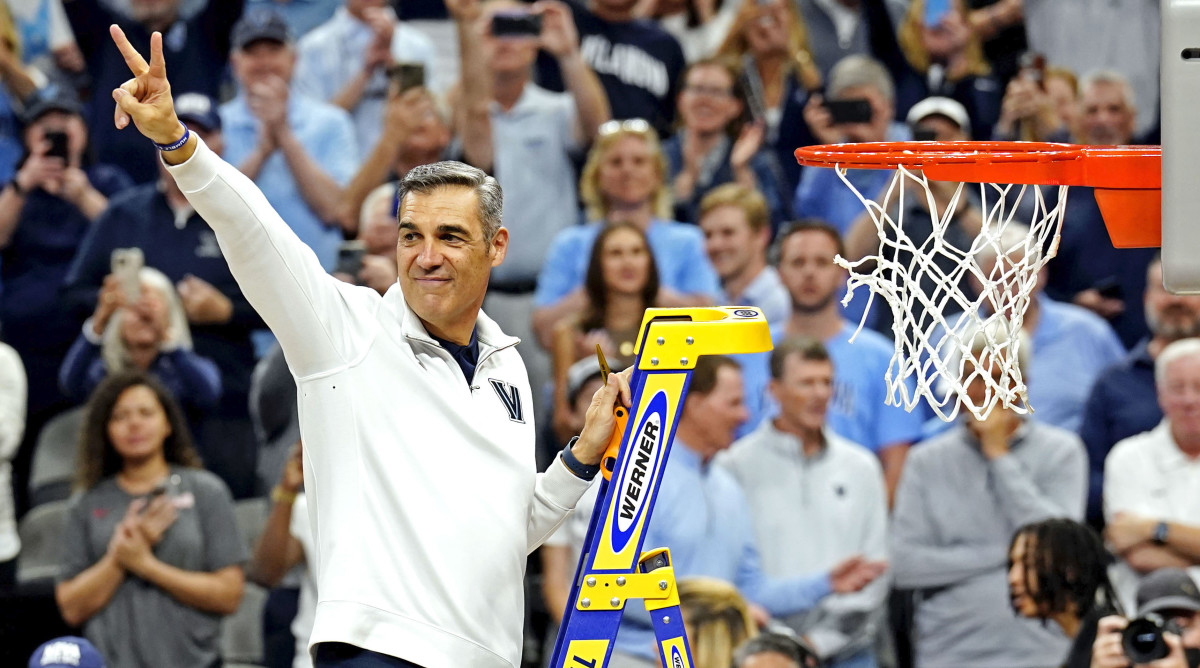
[[176, 144], [576, 467]]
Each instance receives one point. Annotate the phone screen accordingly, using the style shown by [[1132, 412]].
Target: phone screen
[[857, 110], [126, 266], [516, 24], [58, 145], [407, 75], [935, 11]]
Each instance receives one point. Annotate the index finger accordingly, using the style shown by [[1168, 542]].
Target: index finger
[[623, 385], [133, 59]]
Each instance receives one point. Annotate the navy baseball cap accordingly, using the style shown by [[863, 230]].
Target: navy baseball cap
[[260, 24], [66, 652], [55, 101], [198, 108]]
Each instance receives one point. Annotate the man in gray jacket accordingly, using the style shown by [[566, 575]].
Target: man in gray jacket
[[961, 497]]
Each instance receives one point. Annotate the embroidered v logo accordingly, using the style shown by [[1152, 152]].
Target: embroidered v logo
[[510, 397]]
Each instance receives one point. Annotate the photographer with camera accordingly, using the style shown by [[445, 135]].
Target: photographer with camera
[[1166, 633]]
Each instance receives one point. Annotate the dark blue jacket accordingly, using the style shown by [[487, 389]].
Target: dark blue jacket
[[766, 171], [141, 218], [193, 380], [1123, 403]]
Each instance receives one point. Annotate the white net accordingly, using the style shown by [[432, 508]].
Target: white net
[[958, 295]]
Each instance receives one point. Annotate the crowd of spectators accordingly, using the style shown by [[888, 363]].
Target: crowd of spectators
[[645, 152]]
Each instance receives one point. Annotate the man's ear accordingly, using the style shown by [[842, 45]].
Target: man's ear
[[499, 246]]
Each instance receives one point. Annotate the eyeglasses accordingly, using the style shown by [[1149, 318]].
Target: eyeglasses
[[708, 91], [635, 125]]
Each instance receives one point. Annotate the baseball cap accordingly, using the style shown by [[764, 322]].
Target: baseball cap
[[198, 108], [940, 106], [1167, 589], [580, 373], [64, 652], [258, 25], [56, 101]]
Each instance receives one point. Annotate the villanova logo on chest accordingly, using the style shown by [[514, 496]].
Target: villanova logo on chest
[[510, 396]]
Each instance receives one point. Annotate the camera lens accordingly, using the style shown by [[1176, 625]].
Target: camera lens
[[1143, 641]]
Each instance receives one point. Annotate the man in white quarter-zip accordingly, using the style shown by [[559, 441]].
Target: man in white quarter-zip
[[414, 408]]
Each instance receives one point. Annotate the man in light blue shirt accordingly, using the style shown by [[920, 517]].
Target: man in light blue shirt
[[701, 513], [301, 152], [344, 61], [821, 194], [858, 411]]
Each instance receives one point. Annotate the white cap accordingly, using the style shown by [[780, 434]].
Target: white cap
[[940, 106]]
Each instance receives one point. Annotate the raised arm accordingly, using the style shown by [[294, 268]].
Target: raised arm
[[560, 38], [311, 313], [472, 115]]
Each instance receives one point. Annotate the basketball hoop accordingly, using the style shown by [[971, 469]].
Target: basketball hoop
[[937, 348]]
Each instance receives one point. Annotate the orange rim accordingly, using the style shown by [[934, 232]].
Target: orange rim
[[1127, 179]]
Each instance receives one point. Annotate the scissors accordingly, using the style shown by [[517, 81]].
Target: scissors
[[609, 461]]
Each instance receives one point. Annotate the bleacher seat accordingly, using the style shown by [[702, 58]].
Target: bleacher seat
[[41, 533], [241, 632], [53, 467]]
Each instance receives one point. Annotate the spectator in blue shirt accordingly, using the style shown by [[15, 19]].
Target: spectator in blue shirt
[[1124, 400], [623, 182], [299, 151], [858, 411], [702, 514]]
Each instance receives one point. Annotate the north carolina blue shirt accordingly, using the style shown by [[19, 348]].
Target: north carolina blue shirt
[[1071, 346], [678, 250], [821, 194], [327, 133], [858, 411], [701, 513]]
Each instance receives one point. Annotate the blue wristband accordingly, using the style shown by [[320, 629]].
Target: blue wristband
[[176, 144], [576, 467]]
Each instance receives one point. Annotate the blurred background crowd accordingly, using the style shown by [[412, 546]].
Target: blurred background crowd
[[645, 152]]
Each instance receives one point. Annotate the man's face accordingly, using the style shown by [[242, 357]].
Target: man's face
[[978, 388], [882, 112], [807, 270], [1169, 316], [731, 243], [1106, 118], [1022, 588], [261, 60], [443, 260], [719, 413], [707, 103], [1179, 396], [628, 174], [803, 392]]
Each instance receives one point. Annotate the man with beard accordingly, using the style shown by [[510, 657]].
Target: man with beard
[[858, 411], [1124, 401]]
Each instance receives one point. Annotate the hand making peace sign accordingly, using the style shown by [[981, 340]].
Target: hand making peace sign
[[146, 98]]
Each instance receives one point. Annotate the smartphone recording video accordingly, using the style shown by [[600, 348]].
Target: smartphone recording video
[[935, 11], [126, 266], [516, 24], [857, 110], [58, 145], [406, 76]]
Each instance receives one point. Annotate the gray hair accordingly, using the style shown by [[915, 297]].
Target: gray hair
[[994, 335], [1112, 78], [770, 642], [381, 194], [1172, 353], [112, 345], [860, 70], [1015, 237], [447, 174]]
